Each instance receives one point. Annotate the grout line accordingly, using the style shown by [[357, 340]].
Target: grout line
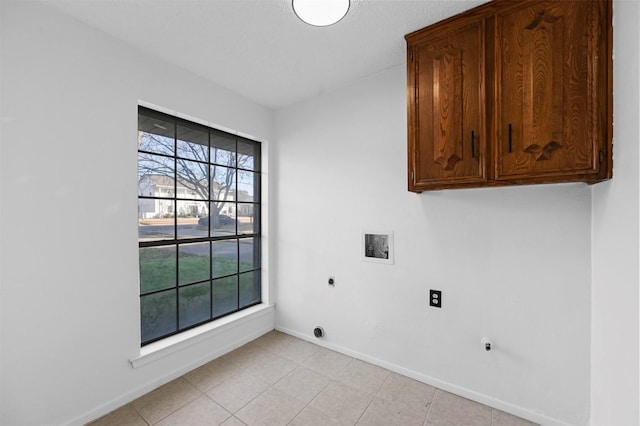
[[426, 418], [316, 395], [233, 414], [365, 410], [138, 413], [187, 403], [270, 385]]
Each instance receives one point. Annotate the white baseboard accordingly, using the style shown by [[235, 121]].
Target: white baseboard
[[446, 386]]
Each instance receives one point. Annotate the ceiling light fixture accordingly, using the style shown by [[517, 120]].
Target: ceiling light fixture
[[320, 13]]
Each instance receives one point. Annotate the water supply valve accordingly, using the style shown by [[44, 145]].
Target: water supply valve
[[487, 344]]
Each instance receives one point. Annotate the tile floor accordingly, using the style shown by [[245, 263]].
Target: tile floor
[[281, 380]]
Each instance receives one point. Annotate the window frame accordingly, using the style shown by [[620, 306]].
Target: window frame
[[181, 193]]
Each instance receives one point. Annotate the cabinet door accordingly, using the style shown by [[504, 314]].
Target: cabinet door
[[446, 127], [547, 126]]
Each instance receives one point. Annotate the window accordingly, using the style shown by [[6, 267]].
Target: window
[[198, 224]]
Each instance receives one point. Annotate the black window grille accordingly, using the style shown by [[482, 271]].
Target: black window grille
[[198, 224]]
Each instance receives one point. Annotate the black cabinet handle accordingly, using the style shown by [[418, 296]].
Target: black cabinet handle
[[510, 139], [473, 145]]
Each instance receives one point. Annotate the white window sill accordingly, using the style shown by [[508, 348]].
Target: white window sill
[[164, 347]]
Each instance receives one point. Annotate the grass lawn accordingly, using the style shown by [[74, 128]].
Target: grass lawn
[[158, 271], [158, 268]]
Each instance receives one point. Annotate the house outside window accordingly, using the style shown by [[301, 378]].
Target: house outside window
[[198, 224]]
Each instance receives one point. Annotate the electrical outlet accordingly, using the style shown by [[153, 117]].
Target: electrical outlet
[[435, 298]]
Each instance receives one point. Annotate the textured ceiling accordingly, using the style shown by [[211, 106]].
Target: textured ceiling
[[259, 48]]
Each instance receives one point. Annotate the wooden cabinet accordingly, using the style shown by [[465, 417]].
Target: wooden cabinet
[[511, 93], [448, 99]]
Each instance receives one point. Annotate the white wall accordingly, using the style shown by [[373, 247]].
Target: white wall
[[516, 264], [513, 263], [614, 370], [69, 273]]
